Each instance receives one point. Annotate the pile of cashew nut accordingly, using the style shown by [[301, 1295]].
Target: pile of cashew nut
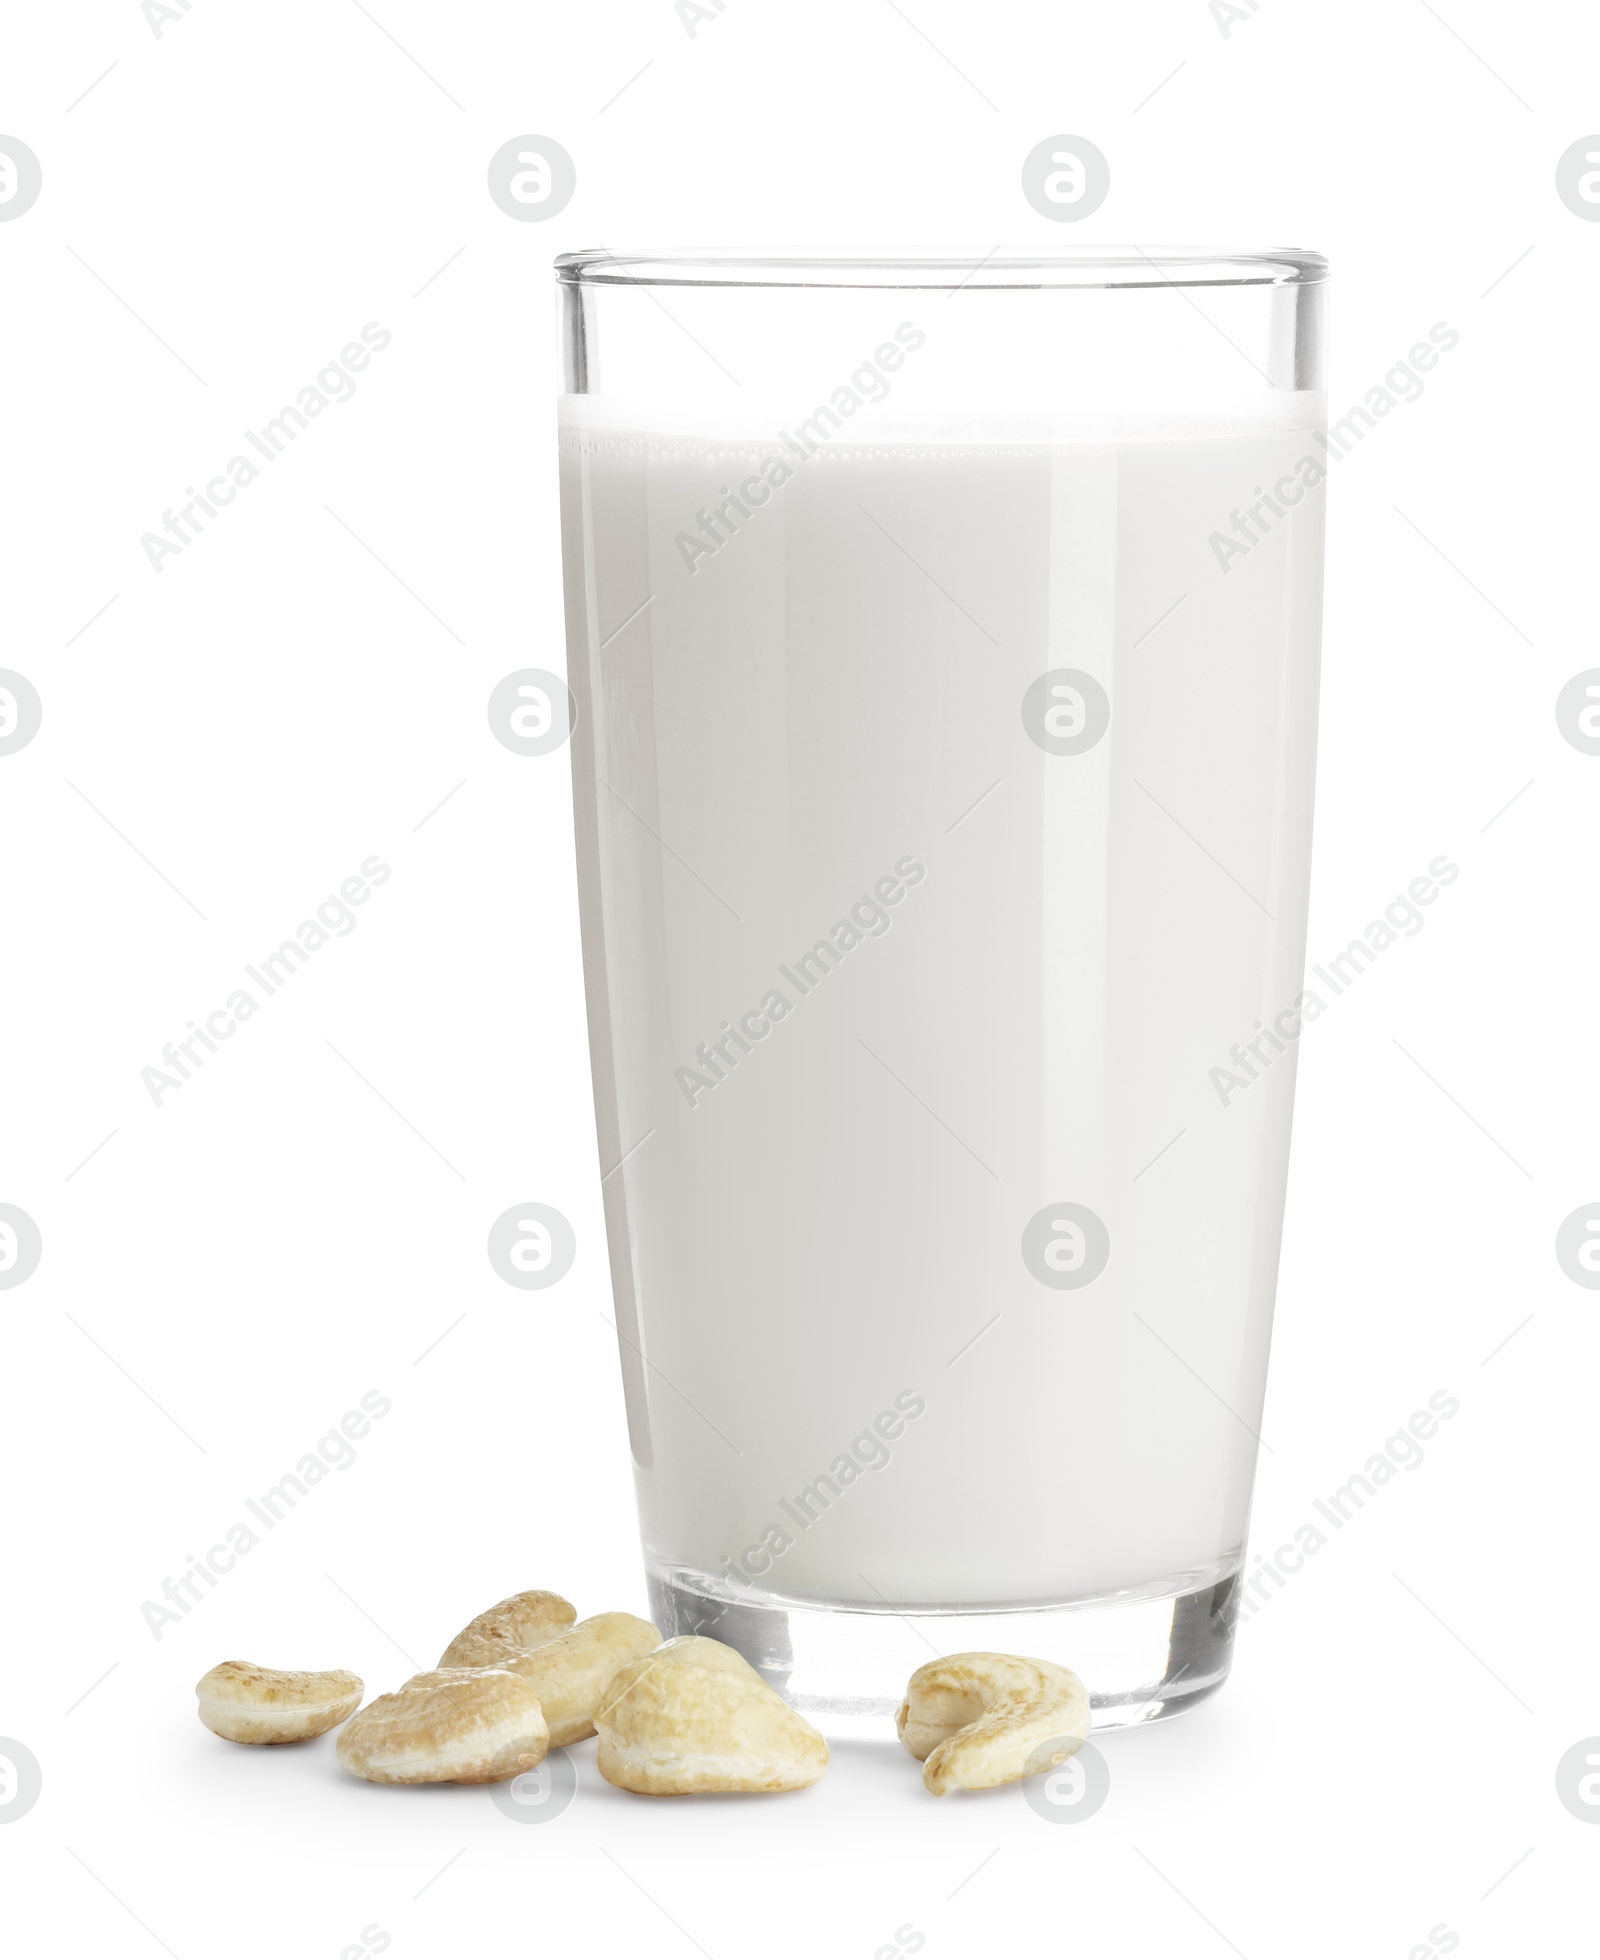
[[673, 1717]]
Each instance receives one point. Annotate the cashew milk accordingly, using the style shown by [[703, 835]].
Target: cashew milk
[[913, 965]]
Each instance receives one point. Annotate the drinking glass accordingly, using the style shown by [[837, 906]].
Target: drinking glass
[[943, 636]]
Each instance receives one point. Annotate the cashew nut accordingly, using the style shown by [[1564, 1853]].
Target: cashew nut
[[571, 1672], [524, 1620], [694, 1716], [454, 1725], [977, 1720], [245, 1703]]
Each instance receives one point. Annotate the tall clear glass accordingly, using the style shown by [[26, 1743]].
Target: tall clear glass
[[944, 639]]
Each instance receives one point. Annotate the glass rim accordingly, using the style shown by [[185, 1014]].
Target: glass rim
[[1010, 269]]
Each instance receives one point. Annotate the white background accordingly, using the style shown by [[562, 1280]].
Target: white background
[[305, 1220]]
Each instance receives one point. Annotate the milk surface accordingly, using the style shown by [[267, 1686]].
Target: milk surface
[[875, 979]]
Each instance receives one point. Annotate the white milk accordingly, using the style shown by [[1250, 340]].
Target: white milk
[[844, 1382]]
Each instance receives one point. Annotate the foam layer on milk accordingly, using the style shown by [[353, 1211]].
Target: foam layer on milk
[[587, 419]]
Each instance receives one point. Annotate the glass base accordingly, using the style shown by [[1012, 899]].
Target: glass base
[[1142, 1655]]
